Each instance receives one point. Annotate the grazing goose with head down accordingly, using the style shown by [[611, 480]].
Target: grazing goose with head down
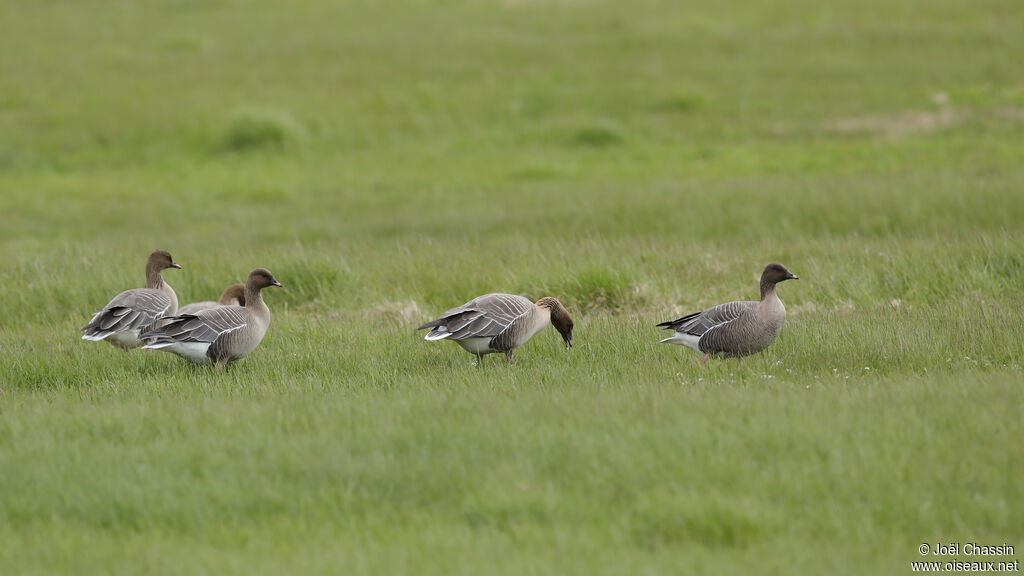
[[218, 335], [135, 310], [499, 323], [233, 295], [736, 328]]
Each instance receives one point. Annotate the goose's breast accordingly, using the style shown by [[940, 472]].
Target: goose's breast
[[771, 315]]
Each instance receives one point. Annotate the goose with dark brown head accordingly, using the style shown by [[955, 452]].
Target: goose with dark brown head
[[499, 323], [233, 295], [135, 310], [218, 335], [735, 329]]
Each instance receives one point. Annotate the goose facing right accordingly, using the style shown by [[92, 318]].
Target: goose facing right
[[233, 295], [135, 310], [735, 329], [218, 335], [499, 323]]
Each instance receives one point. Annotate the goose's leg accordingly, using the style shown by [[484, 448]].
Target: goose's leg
[[703, 359], [511, 357], [479, 360]]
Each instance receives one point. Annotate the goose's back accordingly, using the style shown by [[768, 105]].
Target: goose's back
[[486, 316]]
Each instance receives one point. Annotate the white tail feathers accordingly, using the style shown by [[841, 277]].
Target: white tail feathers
[[439, 333], [158, 345]]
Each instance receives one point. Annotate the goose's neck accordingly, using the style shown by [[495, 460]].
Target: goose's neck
[[254, 303], [767, 290], [536, 321], [154, 279], [541, 316]]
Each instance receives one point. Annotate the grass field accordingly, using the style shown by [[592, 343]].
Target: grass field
[[390, 160]]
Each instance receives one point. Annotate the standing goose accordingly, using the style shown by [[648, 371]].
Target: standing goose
[[133, 311], [233, 295], [218, 335], [738, 328], [499, 323]]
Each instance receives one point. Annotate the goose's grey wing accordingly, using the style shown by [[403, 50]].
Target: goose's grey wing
[[203, 326], [134, 309], [483, 317], [700, 322]]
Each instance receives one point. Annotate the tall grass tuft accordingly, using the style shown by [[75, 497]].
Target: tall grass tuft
[[602, 135], [258, 129]]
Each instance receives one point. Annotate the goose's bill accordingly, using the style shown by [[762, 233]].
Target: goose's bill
[[791, 276], [568, 340], [176, 265], [274, 282]]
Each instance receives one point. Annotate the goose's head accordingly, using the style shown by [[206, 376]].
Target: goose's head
[[261, 278], [560, 318], [775, 273], [233, 295], [161, 260]]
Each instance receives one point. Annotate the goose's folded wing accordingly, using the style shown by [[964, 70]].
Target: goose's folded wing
[[491, 315], [203, 326], [474, 325], [130, 310], [483, 317], [700, 322]]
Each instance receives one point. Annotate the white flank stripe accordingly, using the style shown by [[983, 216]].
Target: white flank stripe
[[194, 351]]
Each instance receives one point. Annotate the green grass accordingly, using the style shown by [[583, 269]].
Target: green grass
[[390, 160]]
